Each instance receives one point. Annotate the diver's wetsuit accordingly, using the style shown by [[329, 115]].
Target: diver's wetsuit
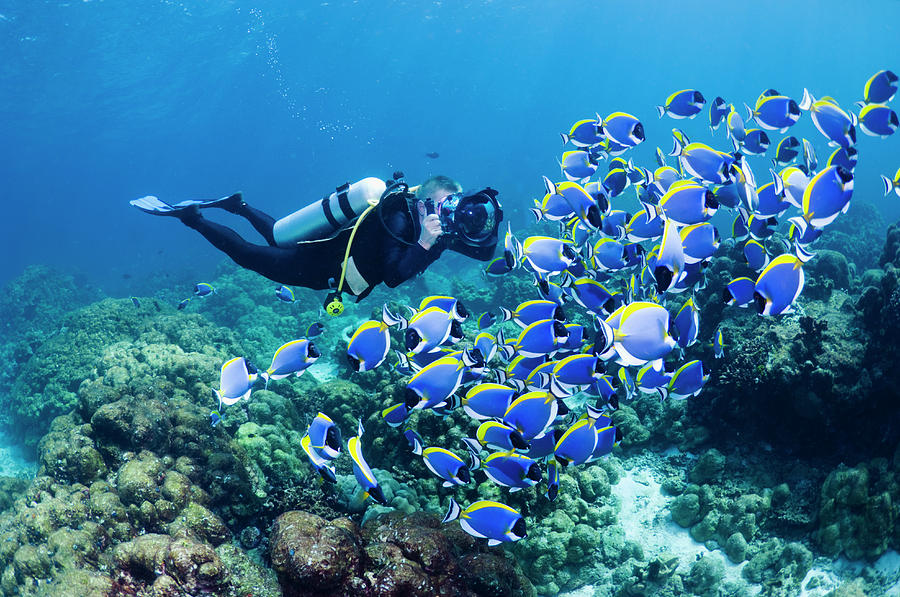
[[386, 252]]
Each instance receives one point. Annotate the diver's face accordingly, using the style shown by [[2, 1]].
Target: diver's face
[[438, 196]]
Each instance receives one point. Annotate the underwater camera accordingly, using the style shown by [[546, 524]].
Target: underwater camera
[[473, 218]]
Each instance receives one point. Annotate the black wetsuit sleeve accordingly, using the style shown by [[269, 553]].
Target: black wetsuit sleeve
[[403, 260], [479, 253]]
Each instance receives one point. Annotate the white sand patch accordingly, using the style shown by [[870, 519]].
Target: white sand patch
[[645, 519], [12, 459]]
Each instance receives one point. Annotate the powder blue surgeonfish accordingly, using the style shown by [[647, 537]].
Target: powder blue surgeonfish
[[699, 242], [370, 343], [428, 329], [446, 465], [686, 324], [891, 184], [496, 522], [827, 195], [434, 384], [878, 120], [686, 103], [786, 150], [578, 370], [668, 267], [779, 285], [532, 413], [739, 292], [322, 444], [845, 157], [642, 334], [880, 88], [511, 469], [650, 378], [718, 343], [236, 382], [687, 381], [756, 142], [203, 289], [500, 436], [687, 202], [531, 311], [704, 162], [584, 133], [548, 255], [361, 470], [592, 295], [577, 165], [292, 358], [833, 122], [756, 255], [488, 400], [576, 446], [624, 129], [776, 112], [541, 338], [718, 110], [284, 294]]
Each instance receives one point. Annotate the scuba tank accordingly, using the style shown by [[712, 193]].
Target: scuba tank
[[322, 219]]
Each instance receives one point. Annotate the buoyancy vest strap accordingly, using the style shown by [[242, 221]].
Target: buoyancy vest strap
[[344, 201], [326, 209]]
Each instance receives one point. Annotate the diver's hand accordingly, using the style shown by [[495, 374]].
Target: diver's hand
[[431, 228]]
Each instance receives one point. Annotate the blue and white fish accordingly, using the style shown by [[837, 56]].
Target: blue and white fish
[[642, 334], [532, 413], [891, 184], [183, 303], [704, 162], [686, 324], [718, 111], [827, 195], [688, 380], [446, 465], [878, 120], [699, 242], [880, 88], [578, 370], [496, 522], [427, 329], [739, 292], [370, 343], [500, 436], [485, 320], [771, 199], [650, 378], [528, 312], [322, 445], [552, 480], [576, 446], [687, 203], [513, 470], [434, 384], [585, 132], [779, 285], [756, 255], [361, 470], [203, 289], [235, 382], [593, 296], [541, 338], [624, 129], [292, 358], [577, 165], [718, 343], [833, 122], [548, 255], [448, 303], [845, 157], [668, 266], [284, 294], [786, 150], [488, 400], [395, 415], [313, 330], [756, 142], [776, 112], [686, 103]]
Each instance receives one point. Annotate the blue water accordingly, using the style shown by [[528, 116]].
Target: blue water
[[104, 101]]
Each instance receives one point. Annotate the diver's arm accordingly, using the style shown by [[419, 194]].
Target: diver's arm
[[479, 253], [402, 262]]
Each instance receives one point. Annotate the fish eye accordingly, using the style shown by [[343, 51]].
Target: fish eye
[[412, 338], [519, 528]]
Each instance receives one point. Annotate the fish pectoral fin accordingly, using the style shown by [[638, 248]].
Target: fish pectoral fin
[[493, 542]]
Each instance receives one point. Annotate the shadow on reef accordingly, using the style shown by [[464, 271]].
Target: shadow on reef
[[820, 383]]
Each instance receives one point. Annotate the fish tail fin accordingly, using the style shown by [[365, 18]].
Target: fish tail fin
[[474, 461], [564, 137], [389, 319], [537, 213], [749, 112], [663, 393], [888, 185], [505, 314], [266, 377], [807, 101], [453, 512], [661, 110], [677, 148]]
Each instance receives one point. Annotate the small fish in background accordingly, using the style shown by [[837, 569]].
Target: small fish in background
[[284, 294], [203, 289], [314, 330], [361, 470], [432, 155], [215, 417], [236, 382], [183, 304], [135, 302], [891, 184], [293, 358]]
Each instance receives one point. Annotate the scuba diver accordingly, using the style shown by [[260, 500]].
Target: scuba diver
[[361, 235]]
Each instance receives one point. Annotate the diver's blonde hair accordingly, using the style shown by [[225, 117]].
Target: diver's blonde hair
[[439, 182]]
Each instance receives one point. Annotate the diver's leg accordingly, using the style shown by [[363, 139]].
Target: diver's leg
[[275, 263], [261, 222]]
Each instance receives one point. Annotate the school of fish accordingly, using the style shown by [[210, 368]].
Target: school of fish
[[607, 319]]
